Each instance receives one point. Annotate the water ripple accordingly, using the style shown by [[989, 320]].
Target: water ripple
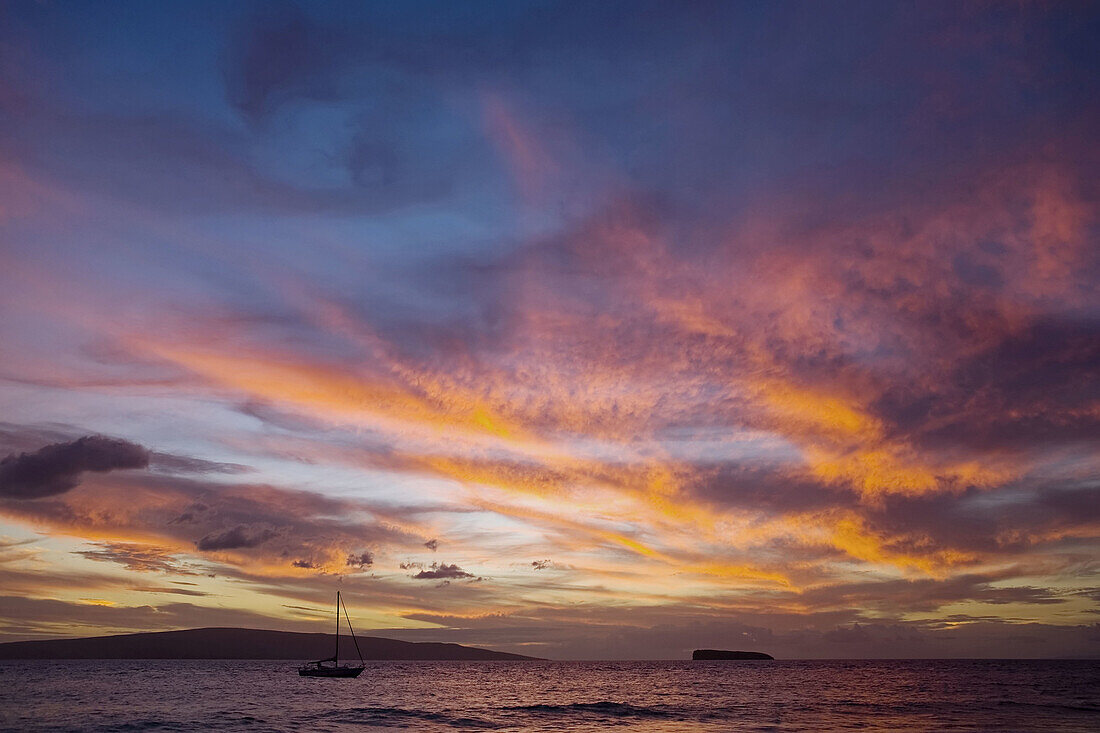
[[641, 697]]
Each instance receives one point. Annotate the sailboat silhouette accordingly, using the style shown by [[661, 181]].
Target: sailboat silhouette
[[331, 666]]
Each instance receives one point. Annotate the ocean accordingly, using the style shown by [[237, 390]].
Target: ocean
[[950, 695]]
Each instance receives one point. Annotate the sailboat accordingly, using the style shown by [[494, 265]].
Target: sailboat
[[331, 667]]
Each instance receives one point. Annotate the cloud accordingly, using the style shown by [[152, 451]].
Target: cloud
[[238, 537], [174, 591], [177, 464], [122, 155], [23, 553], [284, 55], [823, 395], [138, 558], [897, 597], [758, 377], [27, 618], [1034, 387], [19, 438], [57, 468], [281, 54], [1032, 516], [440, 571], [360, 560], [252, 528]]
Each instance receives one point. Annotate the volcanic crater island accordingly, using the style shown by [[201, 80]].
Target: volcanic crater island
[[720, 654]]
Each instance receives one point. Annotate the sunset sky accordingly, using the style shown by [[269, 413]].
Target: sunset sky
[[589, 330]]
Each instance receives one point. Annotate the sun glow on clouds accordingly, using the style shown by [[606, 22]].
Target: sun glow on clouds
[[509, 425], [836, 398]]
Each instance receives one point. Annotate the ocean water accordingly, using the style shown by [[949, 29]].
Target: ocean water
[[95, 695]]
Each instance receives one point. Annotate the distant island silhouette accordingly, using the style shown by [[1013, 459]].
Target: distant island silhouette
[[229, 643], [710, 654]]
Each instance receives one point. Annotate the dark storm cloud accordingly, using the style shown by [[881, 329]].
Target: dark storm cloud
[[360, 560], [23, 437], [241, 536], [57, 468], [441, 571]]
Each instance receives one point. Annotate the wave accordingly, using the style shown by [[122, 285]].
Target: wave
[[224, 720], [405, 717], [401, 716], [1084, 708], [604, 707]]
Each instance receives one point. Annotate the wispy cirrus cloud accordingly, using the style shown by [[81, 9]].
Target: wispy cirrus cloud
[[815, 378], [138, 558]]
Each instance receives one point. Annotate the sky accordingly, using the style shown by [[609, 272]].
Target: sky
[[579, 330]]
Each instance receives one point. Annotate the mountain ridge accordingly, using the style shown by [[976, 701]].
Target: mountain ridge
[[237, 643]]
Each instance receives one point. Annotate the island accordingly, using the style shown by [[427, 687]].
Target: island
[[229, 643], [712, 654]]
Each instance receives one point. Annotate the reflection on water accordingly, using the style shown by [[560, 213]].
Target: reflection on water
[[554, 696]]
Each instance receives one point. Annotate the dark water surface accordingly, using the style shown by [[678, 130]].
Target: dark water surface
[[554, 696]]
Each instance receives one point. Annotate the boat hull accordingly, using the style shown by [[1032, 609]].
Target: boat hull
[[331, 672]]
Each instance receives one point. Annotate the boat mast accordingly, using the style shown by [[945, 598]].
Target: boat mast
[[353, 639], [336, 657]]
